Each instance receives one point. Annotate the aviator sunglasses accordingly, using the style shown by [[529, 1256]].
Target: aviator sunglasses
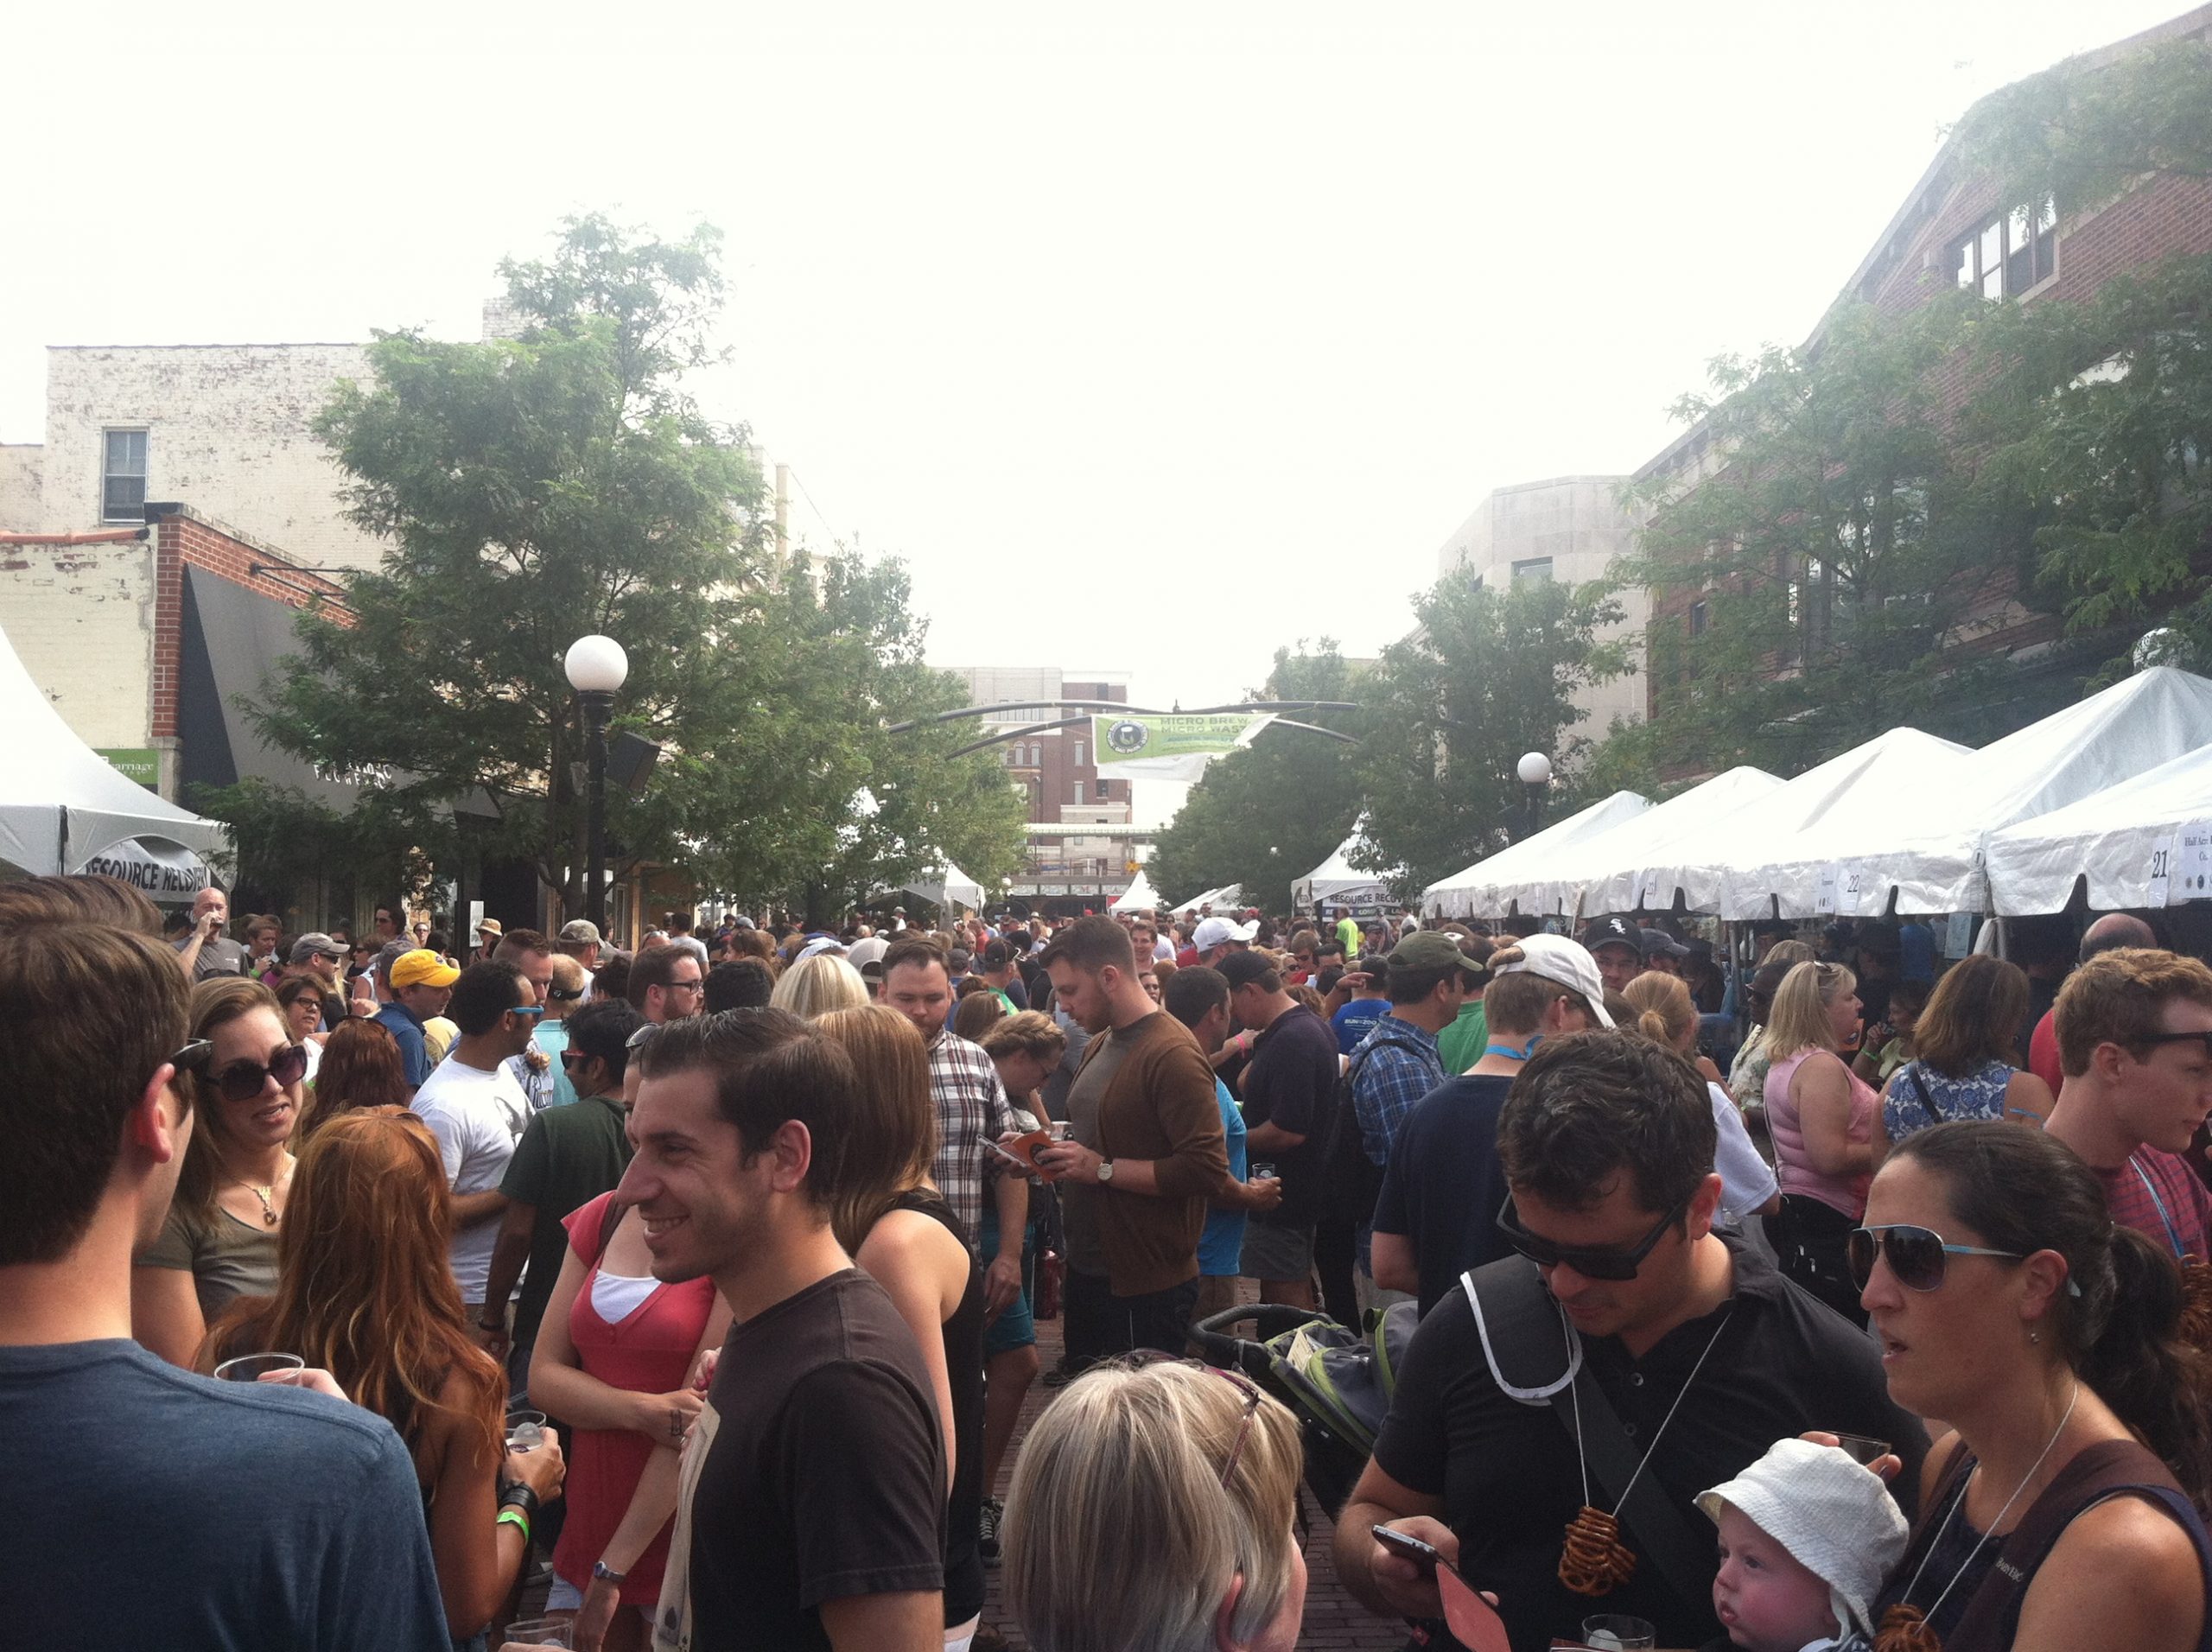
[[1919, 1256], [241, 1080]]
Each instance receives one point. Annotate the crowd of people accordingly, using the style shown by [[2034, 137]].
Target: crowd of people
[[1830, 1295]]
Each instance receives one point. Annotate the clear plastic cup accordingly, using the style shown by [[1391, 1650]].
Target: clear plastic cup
[[249, 1367], [1059, 1129], [525, 1430], [1863, 1450], [539, 1631], [1618, 1634]]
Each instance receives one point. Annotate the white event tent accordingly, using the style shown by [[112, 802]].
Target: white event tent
[[2123, 840], [64, 808], [1598, 875], [1139, 897], [946, 884], [1335, 883], [1229, 895], [1925, 841], [1484, 888]]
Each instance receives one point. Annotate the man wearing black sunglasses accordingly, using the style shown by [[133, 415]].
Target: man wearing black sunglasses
[[239, 1515], [1695, 1356], [2134, 1031]]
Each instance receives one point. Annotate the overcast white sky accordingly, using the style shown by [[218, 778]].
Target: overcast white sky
[[1152, 339]]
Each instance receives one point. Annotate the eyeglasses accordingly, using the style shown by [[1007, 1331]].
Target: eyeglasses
[[1244, 1385], [243, 1080], [1917, 1256], [2204, 1039], [1590, 1263], [691, 985], [527, 1010]]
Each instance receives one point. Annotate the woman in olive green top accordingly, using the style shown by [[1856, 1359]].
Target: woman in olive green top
[[220, 1240]]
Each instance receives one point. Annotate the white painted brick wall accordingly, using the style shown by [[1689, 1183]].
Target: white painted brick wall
[[228, 434], [21, 468], [81, 618]]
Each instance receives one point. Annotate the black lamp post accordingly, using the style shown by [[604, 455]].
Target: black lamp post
[[1535, 772], [596, 667]]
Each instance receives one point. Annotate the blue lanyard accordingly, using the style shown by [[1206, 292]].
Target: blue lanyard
[[2173, 1237], [1494, 1048]]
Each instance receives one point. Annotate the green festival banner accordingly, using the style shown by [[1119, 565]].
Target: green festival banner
[[1173, 746]]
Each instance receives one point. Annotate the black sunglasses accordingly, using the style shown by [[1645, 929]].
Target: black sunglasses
[[2204, 1039], [1917, 1256], [243, 1080], [573, 1059], [1591, 1264]]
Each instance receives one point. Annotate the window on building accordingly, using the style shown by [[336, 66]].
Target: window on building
[[1699, 618], [1078, 753], [123, 476], [2009, 254], [1534, 570], [1078, 791]]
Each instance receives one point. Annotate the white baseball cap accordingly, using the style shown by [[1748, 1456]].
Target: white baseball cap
[[1214, 932], [1556, 958], [1836, 1519]]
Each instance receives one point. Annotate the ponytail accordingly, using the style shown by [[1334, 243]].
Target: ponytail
[[2157, 1383]]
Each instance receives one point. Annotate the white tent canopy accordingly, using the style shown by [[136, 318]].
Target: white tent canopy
[[1706, 872], [2126, 841], [1599, 875], [64, 808], [1483, 889], [1925, 841], [1335, 883], [1229, 894], [1139, 897], [945, 883]]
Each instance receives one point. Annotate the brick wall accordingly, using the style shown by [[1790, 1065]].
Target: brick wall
[[22, 471]]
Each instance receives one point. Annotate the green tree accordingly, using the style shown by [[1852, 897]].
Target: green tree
[[1450, 710], [1814, 588], [1269, 814]]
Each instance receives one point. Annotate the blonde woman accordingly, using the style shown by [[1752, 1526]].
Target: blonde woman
[[1747, 1075], [1154, 1506], [219, 1239], [1665, 1013], [813, 986], [898, 1228], [1827, 1123]]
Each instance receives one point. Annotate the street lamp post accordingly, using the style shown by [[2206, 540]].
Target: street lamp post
[[596, 667], [1535, 772]]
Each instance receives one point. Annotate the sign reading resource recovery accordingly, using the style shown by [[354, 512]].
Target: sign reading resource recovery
[[1170, 747], [135, 763], [167, 873]]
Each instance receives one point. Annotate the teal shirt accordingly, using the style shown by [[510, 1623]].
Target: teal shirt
[[1461, 1042]]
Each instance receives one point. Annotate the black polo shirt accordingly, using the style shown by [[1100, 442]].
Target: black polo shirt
[[1291, 1082], [1510, 1479]]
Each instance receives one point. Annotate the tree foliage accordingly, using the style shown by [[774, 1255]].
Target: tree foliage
[[1264, 815], [530, 491], [1487, 676]]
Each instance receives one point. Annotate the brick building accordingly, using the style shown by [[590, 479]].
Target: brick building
[[1952, 233], [1054, 768]]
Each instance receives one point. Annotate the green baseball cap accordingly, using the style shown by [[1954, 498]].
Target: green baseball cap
[[1431, 949]]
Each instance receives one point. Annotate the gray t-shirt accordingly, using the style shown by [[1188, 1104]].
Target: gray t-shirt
[[226, 1258], [1078, 1202], [220, 956]]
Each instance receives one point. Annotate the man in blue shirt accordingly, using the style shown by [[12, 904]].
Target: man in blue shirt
[[234, 1515], [420, 982], [1369, 1005]]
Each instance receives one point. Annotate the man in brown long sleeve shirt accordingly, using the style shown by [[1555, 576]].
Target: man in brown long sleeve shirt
[[1146, 1152]]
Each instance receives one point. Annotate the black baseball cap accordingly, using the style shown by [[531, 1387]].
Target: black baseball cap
[[1614, 931], [1243, 968]]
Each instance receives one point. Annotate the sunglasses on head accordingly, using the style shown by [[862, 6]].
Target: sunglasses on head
[[1917, 1256], [1605, 1264], [1243, 1384], [2204, 1039], [527, 1010], [243, 1080]]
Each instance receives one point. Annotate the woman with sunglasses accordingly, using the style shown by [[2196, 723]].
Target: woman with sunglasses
[[364, 1293], [1155, 1504], [301, 999], [900, 1230], [220, 1241], [1825, 1120], [2061, 1511]]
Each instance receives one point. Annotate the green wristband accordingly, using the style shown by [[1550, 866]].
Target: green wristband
[[516, 1518]]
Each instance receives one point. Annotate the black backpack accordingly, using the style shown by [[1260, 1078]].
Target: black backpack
[[1353, 1181]]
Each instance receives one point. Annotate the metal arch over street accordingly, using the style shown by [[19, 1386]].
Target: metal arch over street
[[1124, 707]]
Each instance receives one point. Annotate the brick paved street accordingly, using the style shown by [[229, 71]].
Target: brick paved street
[[1334, 1619]]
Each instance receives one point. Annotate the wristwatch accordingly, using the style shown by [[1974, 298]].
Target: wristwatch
[[602, 1572], [1105, 1170]]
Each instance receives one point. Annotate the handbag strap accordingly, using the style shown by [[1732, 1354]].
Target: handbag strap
[[1525, 1341], [609, 1219], [1920, 1094]]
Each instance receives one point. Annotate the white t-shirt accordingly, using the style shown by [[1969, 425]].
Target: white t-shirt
[[477, 1117], [1746, 1182]]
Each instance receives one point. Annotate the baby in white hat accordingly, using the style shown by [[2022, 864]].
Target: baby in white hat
[[1807, 1535]]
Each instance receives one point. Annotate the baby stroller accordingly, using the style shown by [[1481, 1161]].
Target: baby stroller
[[1337, 1382]]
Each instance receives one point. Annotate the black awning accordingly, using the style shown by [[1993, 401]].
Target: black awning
[[232, 638]]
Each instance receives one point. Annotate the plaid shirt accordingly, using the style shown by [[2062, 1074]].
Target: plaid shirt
[[2157, 1193], [971, 1110], [1399, 1064]]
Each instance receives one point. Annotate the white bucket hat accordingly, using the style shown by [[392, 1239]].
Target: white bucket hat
[[1568, 963], [1835, 1519]]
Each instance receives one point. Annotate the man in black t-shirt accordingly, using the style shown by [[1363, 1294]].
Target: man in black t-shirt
[[1290, 1085], [812, 1508], [1704, 1353]]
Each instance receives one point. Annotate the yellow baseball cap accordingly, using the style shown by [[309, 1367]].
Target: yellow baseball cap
[[422, 967]]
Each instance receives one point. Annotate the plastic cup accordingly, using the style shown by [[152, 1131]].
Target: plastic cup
[[1263, 1173], [249, 1367], [1862, 1450], [525, 1432], [1059, 1129], [540, 1631], [1616, 1634]]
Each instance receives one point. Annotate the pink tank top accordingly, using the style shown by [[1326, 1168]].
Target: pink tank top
[[1791, 1169]]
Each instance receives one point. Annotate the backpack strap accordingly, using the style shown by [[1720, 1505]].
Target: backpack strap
[[1920, 1094], [2112, 1468], [1526, 1340]]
